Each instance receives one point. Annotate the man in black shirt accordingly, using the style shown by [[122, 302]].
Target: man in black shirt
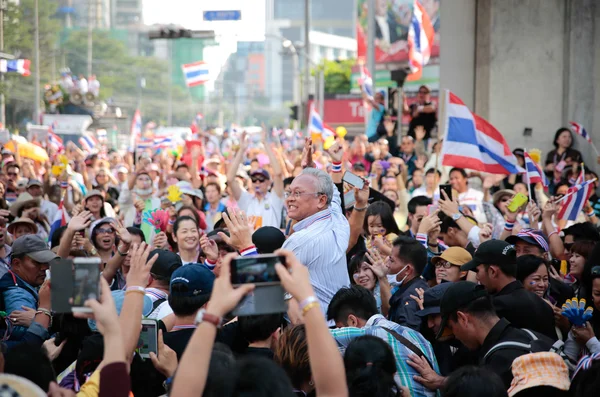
[[495, 262], [422, 113], [261, 332]]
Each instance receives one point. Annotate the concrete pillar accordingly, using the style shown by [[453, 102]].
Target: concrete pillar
[[483, 57]]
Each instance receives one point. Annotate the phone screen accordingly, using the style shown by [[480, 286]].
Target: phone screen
[[148, 341], [448, 190], [85, 281], [353, 180], [255, 269]]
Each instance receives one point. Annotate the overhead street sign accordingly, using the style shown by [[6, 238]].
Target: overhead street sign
[[230, 15]]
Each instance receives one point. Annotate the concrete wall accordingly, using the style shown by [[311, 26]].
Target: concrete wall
[[457, 48], [525, 64]]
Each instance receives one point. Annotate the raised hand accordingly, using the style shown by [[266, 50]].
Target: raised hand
[[81, 221], [307, 155], [160, 241], [361, 196], [534, 214], [550, 209], [429, 223], [377, 264], [336, 151], [140, 265], [240, 232], [485, 232], [210, 249], [104, 310], [121, 232], [166, 360]]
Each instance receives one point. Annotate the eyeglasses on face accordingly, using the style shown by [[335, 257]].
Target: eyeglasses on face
[[444, 264], [109, 230], [297, 195], [258, 180]]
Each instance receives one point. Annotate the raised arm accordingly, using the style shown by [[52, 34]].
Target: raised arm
[[557, 248], [275, 166], [357, 218], [236, 189]]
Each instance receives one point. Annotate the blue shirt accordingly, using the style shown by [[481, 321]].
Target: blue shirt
[[374, 120], [16, 296]]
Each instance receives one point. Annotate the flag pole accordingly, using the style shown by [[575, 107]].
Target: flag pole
[[573, 192], [443, 130], [528, 179]]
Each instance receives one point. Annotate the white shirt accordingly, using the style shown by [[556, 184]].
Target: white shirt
[[320, 242], [422, 191], [49, 209], [94, 86], [474, 200], [83, 86], [267, 211], [163, 310]]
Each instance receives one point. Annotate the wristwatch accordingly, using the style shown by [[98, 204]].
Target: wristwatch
[[204, 316], [456, 216]]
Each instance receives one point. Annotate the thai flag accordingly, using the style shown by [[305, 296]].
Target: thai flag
[[136, 129], [87, 143], [534, 172], [195, 73], [327, 131], [54, 141], [366, 81], [576, 198], [163, 142], [579, 130], [20, 66], [60, 219], [420, 41], [315, 123], [145, 144], [471, 142]]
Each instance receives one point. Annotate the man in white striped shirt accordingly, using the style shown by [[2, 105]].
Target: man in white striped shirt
[[320, 236]]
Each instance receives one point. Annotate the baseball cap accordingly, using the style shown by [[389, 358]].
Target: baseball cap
[[519, 152], [197, 279], [268, 239], [458, 295], [34, 182], [539, 369], [34, 247], [93, 193], [262, 172], [455, 255], [166, 263], [432, 299], [492, 252], [99, 222], [530, 236]]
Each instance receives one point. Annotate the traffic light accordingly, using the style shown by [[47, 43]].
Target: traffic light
[[170, 33], [294, 112]]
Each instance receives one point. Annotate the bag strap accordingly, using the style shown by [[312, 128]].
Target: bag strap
[[408, 344], [513, 344], [157, 303]]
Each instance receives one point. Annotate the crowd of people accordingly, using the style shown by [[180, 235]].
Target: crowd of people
[[393, 288]]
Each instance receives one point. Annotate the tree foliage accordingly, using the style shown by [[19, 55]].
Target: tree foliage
[[337, 75]]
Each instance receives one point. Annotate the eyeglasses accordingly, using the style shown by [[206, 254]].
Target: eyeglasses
[[110, 230], [444, 264], [297, 195], [258, 180]]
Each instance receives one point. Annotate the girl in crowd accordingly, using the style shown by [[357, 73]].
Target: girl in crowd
[[368, 271], [187, 237], [380, 227], [577, 263]]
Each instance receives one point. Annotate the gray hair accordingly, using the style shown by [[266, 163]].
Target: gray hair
[[324, 182]]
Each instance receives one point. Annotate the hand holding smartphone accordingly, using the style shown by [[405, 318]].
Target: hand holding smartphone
[[448, 189], [86, 278], [353, 179], [517, 202], [148, 342]]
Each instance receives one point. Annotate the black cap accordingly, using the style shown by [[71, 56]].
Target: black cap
[[492, 252], [166, 263], [268, 239], [458, 295], [433, 298]]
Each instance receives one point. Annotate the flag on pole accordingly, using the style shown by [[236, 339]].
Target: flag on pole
[[20, 66], [581, 178], [136, 129], [420, 41], [61, 218], [471, 142], [54, 141], [366, 81], [579, 130], [315, 123], [576, 198], [195, 73], [88, 143], [534, 172]]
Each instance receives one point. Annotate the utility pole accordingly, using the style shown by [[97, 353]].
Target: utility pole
[[371, 41], [36, 51], [2, 103], [304, 98], [90, 42], [170, 91], [322, 92]]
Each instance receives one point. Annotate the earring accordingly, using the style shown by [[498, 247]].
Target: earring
[[311, 383]]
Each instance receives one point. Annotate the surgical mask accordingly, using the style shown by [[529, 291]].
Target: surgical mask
[[392, 277], [143, 192]]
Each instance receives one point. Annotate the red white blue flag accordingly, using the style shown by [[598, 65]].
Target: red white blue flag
[[195, 73], [471, 142], [420, 41], [579, 130], [576, 198], [366, 81], [534, 172]]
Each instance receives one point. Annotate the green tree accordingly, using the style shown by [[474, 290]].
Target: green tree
[[337, 75], [19, 39]]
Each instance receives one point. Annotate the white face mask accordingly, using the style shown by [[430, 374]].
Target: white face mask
[[392, 277]]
